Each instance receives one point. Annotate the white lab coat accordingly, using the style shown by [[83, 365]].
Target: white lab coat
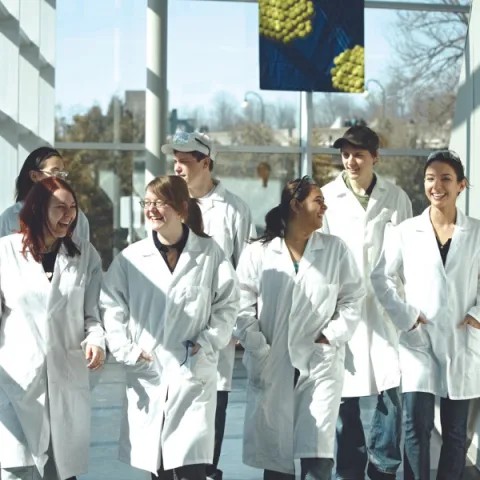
[[228, 220], [44, 380], [170, 402], [283, 422], [371, 361], [9, 222], [441, 357]]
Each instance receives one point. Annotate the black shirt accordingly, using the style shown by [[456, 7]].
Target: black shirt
[[171, 253]]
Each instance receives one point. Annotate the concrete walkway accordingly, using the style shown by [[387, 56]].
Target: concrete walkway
[[108, 387]]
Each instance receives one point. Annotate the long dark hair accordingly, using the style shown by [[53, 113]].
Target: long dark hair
[[174, 191], [34, 217], [276, 220], [33, 162]]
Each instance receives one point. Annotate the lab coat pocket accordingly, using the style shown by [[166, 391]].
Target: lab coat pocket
[[322, 359], [194, 302], [323, 298], [473, 339], [203, 366], [255, 367], [416, 338]]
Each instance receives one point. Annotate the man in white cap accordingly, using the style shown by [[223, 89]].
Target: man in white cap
[[361, 205], [228, 220]]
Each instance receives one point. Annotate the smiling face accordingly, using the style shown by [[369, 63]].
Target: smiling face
[[358, 163], [311, 210], [61, 212], [442, 186], [161, 216]]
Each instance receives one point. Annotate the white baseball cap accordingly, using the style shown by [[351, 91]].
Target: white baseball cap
[[190, 142]]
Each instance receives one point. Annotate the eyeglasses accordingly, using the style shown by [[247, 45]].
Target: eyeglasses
[[148, 203], [182, 138], [306, 179], [444, 155], [55, 173]]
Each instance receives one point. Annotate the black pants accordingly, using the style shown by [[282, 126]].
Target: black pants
[[188, 472], [220, 418], [311, 469]]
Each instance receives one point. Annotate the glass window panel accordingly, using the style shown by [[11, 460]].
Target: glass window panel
[[100, 57], [109, 185], [213, 76]]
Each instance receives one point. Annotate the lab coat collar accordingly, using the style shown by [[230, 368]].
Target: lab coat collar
[[423, 222], [190, 252], [315, 242], [218, 195]]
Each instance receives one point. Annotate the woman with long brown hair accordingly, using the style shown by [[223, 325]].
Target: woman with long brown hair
[[50, 335], [169, 303]]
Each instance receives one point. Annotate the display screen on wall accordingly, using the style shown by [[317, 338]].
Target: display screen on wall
[[312, 45]]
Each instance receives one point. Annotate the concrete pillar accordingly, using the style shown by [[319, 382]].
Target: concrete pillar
[[156, 108]]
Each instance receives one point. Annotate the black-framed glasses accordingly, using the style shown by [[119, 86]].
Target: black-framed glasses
[[444, 155], [306, 179], [148, 203]]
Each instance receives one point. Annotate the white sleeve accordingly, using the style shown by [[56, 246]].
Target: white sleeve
[[385, 277], [348, 310], [247, 329], [94, 333], [114, 304], [224, 308]]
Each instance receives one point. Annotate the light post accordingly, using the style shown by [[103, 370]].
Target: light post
[[260, 100], [384, 95]]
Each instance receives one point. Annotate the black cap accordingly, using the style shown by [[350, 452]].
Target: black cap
[[359, 136]]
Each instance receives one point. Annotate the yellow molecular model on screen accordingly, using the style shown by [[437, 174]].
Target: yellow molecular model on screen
[[348, 72], [286, 20]]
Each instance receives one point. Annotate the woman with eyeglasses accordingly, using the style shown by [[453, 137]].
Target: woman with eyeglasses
[[169, 305], [428, 280], [300, 304], [43, 162], [50, 336]]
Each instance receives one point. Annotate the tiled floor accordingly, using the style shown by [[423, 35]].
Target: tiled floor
[[107, 398]]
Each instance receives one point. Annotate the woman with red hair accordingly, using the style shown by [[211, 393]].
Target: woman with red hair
[[50, 335]]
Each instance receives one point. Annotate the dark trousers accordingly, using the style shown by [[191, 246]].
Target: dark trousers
[[188, 472], [311, 469], [381, 450], [220, 418], [419, 408]]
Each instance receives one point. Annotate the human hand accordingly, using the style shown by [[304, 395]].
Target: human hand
[[194, 349], [146, 357], [420, 320], [95, 355], [322, 339], [469, 320]]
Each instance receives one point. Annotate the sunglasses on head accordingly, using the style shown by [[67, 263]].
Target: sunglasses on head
[[305, 180]]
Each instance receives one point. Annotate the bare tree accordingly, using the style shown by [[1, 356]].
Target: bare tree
[[429, 47], [225, 112]]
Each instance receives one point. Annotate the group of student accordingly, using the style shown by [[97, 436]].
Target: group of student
[[343, 296]]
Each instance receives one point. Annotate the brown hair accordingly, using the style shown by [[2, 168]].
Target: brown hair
[[34, 215], [174, 191]]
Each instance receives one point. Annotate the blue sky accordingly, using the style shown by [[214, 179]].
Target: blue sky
[[213, 46]]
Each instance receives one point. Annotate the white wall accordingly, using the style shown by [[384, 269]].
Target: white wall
[[27, 103]]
